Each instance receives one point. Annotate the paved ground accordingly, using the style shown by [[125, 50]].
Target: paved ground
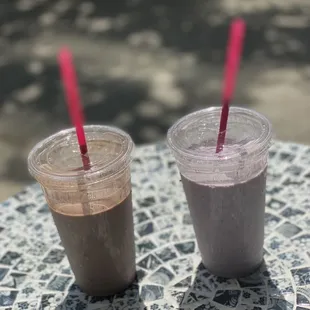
[[143, 64]]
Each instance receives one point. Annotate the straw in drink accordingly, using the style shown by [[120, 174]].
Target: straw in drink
[[223, 174], [88, 191]]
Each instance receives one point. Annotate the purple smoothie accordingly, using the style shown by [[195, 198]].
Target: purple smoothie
[[229, 224], [225, 191]]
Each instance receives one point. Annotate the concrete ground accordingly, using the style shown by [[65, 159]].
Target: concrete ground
[[143, 64]]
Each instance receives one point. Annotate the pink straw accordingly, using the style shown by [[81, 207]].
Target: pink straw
[[71, 89], [233, 54]]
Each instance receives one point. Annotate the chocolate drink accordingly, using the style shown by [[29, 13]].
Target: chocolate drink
[[100, 247], [229, 224]]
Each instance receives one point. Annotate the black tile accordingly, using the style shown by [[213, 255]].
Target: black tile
[[140, 274], [199, 285], [140, 217], [150, 262], [183, 265], [152, 292], [301, 276], [274, 190], [132, 292], [99, 299], [255, 295], [145, 229], [275, 177], [177, 296], [293, 258], [66, 271], [7, 298], [185, 283], [186, 247], [206, 306], [289, 181], [38, 248], [307, 175], [254, 280], [228, 298], [147, 202], [280, 304], [187, 220], [9, 258], [288, 229], [302, 241], [270, 218], [14, 280], [48, 301], [171, 164], [44, 209], [166, 254], [193, 297], [3, 272], [145, 246], [26, 208], [26, 305], [162, 276], [287, 157], [59, 283], [279, 286], [160, 211], [21, 195], [55, 256], [75, 289], [137, 161], [294, 170], [161, 146], [272, 154], [74, 302], [25, 264], [291, 212], [201, 267], [303, 300], [276, 204]]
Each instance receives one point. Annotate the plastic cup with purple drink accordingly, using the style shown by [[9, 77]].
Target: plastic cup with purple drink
[[92, 208], [225, 191]]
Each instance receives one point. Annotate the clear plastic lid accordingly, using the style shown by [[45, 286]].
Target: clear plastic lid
[[193, 141], [57, 159]]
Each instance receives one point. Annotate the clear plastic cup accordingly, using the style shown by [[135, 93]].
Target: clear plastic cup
[[225, 191], [92, 208]]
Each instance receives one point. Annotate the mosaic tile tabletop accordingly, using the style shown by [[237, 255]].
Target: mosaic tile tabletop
[[35, 273]]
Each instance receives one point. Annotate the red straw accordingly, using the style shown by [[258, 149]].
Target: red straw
[[69, 80], [233, 54]]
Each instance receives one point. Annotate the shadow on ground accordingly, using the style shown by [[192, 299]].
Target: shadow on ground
[[256, 288]]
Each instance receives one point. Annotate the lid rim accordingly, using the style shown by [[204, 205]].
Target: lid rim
[[262, 142], [39, 174]]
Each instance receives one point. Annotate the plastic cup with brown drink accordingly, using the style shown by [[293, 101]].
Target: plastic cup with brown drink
[[225, 191], [92, 208]]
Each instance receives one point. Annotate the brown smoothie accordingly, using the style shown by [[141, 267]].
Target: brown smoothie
[[229, 224], [100, 246]]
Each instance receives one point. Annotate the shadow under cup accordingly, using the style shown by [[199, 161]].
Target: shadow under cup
[[92, 208], [225, 191]]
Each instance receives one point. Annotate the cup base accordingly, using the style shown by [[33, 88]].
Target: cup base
[[104, 291], [233, 274]]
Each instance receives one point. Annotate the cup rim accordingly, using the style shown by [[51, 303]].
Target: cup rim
[[261, 144], [42, 174]]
